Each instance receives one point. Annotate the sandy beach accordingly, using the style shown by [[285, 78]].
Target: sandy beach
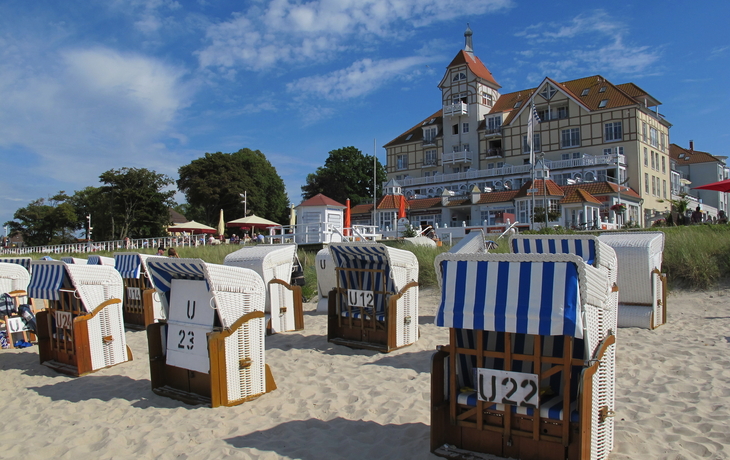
[[673, 398]]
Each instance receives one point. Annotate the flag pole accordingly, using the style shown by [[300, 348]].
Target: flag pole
[[375, 178]]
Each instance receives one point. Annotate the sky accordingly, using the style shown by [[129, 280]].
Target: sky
[[88, 86]]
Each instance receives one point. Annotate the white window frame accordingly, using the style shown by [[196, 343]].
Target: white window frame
[[465, 127], [401, 162], [572, 136], [535, 142], [613, 131]]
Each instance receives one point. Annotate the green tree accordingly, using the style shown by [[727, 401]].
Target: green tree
[[346, 173], [51, 221], [217, 181], [97, 203], [138, 201]]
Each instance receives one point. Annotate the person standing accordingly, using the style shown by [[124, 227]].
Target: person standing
[[172, 253]]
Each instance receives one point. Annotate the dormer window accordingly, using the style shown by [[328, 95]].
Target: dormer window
[[548, 92], [458, 76]]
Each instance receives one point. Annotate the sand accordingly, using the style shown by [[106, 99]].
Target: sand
[[673, 387]]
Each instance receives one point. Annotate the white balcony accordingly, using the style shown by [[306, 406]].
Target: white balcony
[[458, 157], [507, 170], [457, 109]]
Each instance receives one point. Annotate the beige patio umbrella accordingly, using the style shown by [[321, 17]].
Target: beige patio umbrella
[[221, 226], [292, 216]]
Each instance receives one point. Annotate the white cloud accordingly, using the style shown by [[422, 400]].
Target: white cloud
[[83, 111], [362, 77], [289, 31], [593, 41]]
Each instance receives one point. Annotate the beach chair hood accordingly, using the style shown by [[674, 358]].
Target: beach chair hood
[[13, 277], [93, 284], [223, 282], [544, 294]]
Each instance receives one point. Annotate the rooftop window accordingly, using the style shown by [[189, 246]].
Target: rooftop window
[[602, 89], [603, 103], [585, 92]]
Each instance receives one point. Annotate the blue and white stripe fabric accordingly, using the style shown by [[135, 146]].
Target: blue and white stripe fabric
[[24, 261], [352, 257], [48, 278], [129, 265], [585, 248], [100, 260], [163, 271], [505, 293]]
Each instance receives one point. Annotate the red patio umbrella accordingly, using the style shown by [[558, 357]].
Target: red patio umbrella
[[402, 207], [722, 186], [347, 218]]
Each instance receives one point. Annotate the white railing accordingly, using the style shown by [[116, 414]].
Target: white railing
[[110, 246], [590, 160], [459, 108], [320, 232], [456, 157]]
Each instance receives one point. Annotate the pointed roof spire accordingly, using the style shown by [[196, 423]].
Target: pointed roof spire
[[467, 38]]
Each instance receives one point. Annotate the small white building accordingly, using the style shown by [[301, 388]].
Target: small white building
[[319, 220]]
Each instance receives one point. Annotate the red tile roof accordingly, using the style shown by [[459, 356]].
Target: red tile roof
[[362, 209], [424, 203], [579, 196], [685, 156], [391, 202], [416, 132], [544, 188], [497, 197], [475, 65], [321, 200], [601, 188]]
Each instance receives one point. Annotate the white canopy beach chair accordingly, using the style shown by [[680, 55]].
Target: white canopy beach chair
[[101, 260], [210, 347], [14, 280], [472, 243], [82, 330], [274, 264], [326, 278], [642, 285], [142, 305], [74, 260], [24, 261], [375, 304], [527, 372]]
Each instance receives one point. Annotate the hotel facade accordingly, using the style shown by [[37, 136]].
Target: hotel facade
[[591, 132]]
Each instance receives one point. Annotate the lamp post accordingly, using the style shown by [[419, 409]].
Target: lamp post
[[89, 228], [244, 195]]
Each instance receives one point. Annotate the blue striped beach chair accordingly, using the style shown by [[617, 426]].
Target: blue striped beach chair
[[642, 285], [82, 330], [75, 260], [142, 305], [23, 261], [525, 373], [375, 303], [101, 260], [14, 280], [274, 264], [209, 349]]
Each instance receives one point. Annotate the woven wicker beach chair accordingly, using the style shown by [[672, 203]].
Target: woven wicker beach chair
[[527, 373], [375, 303], [210, 347], [24, 261], [274, 264], [472, 243], [420, 241], [14, 280], [142, 305], [101, 260], [326, 278], [82, 330], [642, 285]]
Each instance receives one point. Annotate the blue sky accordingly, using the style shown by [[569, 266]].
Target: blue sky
[[86, 86]]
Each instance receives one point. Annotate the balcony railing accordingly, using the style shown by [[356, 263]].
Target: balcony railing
[[495, 152], [453, 110], [492, 131], [428, 141], [591, 160], [430, 163], [458, 157]]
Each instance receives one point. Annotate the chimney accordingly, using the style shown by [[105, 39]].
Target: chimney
[[691, 146]]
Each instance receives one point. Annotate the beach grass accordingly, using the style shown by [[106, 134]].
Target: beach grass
[[695, 257]]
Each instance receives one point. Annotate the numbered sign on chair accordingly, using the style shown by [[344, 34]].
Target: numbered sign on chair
[[16, 324], [191, 318], [504, 387]]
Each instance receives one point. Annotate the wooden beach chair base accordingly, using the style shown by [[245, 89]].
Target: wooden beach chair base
[[192, 387], [367, 333], [69, 351]]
